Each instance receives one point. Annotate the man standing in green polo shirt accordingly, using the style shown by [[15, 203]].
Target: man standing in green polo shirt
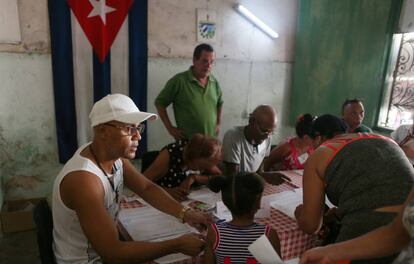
[[196, 97]]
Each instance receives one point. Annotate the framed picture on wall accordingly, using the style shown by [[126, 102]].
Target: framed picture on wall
[[206, 25]]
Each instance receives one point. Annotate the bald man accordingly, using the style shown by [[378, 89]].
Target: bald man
[[245, 147]]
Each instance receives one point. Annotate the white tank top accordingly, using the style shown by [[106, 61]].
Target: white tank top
[[69, 242]]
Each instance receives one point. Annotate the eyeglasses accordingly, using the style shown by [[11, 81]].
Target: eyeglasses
[[131, 130], [267, 132]]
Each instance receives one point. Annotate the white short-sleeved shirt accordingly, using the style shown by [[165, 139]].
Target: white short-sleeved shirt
[[238, 150], [401, 133]]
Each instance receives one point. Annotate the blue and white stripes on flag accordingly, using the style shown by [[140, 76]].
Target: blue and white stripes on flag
[[80, 79]]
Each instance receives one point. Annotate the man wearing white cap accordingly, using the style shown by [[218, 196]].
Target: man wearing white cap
[[86, 193]]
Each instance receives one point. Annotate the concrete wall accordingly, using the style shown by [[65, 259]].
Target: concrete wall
[[252, 69], [245, 85]]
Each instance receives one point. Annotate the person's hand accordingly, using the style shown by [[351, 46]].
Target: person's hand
[[274, 178], [298, 211], [176, 133], [217, 130], [319, 255], [202, 179], [190, 244], [188, 182], [214, 170], [198, 220], [409, 151], [178, 193]]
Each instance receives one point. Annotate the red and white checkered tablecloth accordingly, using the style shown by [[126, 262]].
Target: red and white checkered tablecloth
[[293, 240], [295, 176]]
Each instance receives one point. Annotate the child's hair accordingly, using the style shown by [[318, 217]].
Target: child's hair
[[239, 192], [304, 125]]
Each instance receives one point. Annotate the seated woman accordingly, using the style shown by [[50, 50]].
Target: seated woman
[[365, 175], [183, 163], [292, 154]]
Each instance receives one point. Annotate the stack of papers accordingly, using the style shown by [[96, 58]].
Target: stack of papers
[[222, 212], [287, 201], [205, 195], [148, 224]]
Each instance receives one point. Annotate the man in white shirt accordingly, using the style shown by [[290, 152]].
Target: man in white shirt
[[404, 136], [86, 193], [245, 147]]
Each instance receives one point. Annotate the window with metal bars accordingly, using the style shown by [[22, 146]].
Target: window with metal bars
[[398, 104]]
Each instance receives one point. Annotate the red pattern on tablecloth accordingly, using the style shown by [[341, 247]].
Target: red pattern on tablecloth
[[131, 204], [293, 241]]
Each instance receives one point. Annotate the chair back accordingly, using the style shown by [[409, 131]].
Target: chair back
[[148, 158], [42, 216]]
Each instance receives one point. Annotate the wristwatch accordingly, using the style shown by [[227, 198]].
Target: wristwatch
[[181, 214]]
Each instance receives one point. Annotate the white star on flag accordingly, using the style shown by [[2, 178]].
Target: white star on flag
[[100, 9]]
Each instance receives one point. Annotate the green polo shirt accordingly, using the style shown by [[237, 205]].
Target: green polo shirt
[[195, 107]]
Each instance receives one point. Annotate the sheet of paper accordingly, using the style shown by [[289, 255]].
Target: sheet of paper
[[287, 201], [147, 223], [222, 212], [205, 195], [292, 261], [264, 252], [171, 258], [132, 198], [264, 210]]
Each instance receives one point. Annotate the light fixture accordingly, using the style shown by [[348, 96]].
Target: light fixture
[[256, 21]]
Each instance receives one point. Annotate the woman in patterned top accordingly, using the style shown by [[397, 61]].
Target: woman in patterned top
[[292, 154], [387, 240], [227, 242], [182, 163]]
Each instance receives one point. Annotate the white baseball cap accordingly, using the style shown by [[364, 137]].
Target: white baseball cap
[[117, 107]]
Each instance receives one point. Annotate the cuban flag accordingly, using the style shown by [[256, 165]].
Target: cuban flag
[[98, 47]]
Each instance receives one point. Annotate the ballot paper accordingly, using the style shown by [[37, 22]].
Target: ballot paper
[[171, 258], [264, 210], [133, 198], [147, 223], [287, 201], [223, 213], [205, 195], [263, 251]]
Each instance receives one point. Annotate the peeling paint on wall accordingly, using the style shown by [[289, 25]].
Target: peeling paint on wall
[[34, 26], [28, 162], [28, 148]]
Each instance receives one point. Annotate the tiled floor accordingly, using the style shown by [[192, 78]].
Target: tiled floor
[[19, 248]]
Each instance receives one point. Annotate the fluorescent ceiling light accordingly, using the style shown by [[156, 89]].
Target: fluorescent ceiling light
[[256, 21]]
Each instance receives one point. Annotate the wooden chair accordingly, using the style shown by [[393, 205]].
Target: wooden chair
[[148, 158], [42, 216]]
